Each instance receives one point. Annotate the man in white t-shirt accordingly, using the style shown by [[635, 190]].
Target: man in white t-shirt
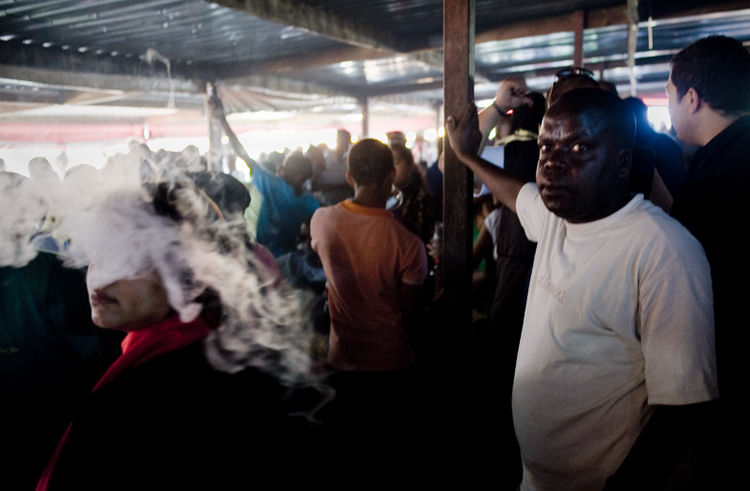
[[617, 357]]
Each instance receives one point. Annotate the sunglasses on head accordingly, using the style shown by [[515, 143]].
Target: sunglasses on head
[[576, 70]]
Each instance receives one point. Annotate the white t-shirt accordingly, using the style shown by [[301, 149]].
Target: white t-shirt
[[619, 318]]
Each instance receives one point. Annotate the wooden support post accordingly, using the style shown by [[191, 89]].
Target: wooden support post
[[579, 18], [215, 151], [632, 42], [365, 108], [458, 29]]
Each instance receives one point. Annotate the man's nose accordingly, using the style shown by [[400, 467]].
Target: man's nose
[[554, 161]]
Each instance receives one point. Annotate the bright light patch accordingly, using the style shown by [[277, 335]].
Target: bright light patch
[[659, 118], [430, 134]]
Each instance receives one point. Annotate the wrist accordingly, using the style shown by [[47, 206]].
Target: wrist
[[500, 111]]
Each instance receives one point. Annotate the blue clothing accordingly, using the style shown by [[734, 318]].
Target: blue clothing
[[281, 212]]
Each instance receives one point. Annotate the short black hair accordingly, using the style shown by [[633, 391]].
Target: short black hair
[[618, 119], [297, 164], [370, 161], [567, 83], [529, 117], [404, 153], [718, 68]]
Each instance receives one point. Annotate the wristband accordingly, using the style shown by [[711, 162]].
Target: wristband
[[497, 108]]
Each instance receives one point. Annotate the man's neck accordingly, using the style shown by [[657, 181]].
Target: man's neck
[[712, 124], [370, 196]]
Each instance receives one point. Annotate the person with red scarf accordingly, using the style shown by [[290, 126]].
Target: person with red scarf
[[200, 397]]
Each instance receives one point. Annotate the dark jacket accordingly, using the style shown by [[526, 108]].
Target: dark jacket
[[175, 423]]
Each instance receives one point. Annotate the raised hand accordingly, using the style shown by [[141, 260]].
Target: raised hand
[[464, 135]]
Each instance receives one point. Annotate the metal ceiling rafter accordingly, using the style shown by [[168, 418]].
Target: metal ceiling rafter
[[302, 16], [283, 84], [94, 82]]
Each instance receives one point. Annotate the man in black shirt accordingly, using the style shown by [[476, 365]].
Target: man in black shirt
[[709, 102]]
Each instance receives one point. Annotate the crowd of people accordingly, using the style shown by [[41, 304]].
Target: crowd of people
[[167, 326]]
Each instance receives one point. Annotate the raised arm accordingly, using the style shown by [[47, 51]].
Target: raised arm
[[512, 94], [465, 139], [217, 112]]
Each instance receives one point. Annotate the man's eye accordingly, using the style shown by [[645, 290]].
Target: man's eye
[[579, 147], [543, 147]]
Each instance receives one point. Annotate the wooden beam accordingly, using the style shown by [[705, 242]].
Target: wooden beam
[[558, 23], [579, 17], [632, 42], [364, 105], [458, 39], [95, 82], [303, 16], [283, 84], [287, 64]]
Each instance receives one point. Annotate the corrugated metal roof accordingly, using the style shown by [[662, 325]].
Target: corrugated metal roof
[[301, 54]]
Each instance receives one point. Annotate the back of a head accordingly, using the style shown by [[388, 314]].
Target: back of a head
[[343, 138], [718, 68], [599, 106], [404, 154], [297, 166], [40, 168], [370, 161], [396, 138], [529, 117], [640, 111]]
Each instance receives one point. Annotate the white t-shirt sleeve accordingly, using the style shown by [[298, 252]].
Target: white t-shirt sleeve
[[677, 323], [531, 211]]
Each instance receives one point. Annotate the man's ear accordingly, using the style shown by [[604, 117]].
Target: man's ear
[[626, 157], [693, 99], [349, 178]]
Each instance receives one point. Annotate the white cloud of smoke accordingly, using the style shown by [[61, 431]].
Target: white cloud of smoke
[[109, 220]]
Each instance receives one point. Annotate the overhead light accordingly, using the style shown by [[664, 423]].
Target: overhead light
[[7, 37]]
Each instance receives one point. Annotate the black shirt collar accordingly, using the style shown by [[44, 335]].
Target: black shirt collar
[[717, 143]]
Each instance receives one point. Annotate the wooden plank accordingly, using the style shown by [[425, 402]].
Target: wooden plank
[[458, 39], [303, 16], [579, 17], [365, 107]]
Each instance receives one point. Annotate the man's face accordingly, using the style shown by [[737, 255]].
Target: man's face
[[678, 112], [580, 168]]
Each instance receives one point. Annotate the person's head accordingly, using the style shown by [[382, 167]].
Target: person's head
[[370, 163], [343, 140], [317, 156], [570, 79], [295, 170], [396, 139], [529, 117], [403, 161], [713, 74], [585, 145], [41, 169], [640, 112], [137, 274]]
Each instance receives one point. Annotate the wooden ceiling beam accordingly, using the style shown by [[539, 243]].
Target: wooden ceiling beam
[[93, 82], [303, 16]]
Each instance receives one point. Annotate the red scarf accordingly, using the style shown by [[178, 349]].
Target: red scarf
[[138, 347]]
